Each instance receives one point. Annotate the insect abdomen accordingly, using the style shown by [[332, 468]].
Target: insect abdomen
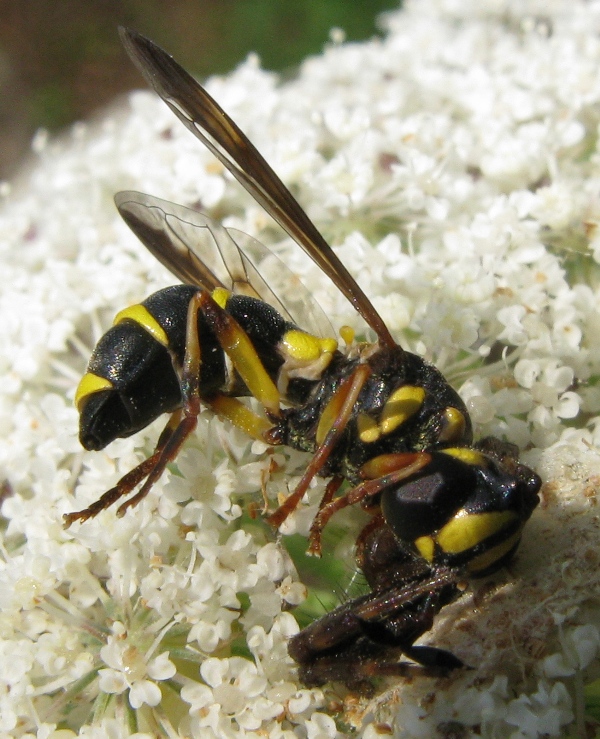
[[131, 379], [134, 373]]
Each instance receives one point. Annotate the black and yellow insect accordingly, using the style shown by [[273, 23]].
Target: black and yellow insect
[[374, 416]]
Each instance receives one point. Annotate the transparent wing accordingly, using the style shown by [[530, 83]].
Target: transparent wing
[[206, 120], [200, 251]]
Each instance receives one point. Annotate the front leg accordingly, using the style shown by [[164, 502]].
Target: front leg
[[387, 470], [332, 424]]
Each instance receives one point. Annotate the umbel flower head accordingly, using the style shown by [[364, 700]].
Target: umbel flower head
[[455, 165]]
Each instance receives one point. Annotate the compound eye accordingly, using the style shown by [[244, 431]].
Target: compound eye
[[423, 503]]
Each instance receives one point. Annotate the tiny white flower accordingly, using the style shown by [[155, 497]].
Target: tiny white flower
[[321, 726], [129, 669]]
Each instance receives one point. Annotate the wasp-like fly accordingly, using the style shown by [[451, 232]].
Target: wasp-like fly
[[373, 416]]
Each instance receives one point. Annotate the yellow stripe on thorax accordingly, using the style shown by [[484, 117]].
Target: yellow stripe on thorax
[[303, 347], [400, 406], [426, 547], [368, 428]]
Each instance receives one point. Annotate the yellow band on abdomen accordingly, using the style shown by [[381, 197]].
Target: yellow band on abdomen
[[142, 316]]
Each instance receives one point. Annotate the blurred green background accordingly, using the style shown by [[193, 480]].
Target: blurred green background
[[60, 60]]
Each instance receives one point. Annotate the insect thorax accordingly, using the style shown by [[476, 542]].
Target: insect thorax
[[406, 405]]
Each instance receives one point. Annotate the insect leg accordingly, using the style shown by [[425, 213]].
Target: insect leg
[[365, 638], [364, 661], [395, 468], [372, 526], [240, 415], [188, 416], [237, 345], [128, 482], [344, 400], [434, 660], [332, 487]]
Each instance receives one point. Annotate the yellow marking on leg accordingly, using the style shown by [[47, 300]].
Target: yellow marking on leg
[[142, 316], [240, 416], [90, 384], [236, 343], [403, 463], [330, 413]]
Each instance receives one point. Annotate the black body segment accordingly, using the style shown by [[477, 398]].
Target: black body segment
[[137, 368]]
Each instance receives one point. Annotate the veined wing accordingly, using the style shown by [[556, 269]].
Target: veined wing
[[200, 251], [206, 120]]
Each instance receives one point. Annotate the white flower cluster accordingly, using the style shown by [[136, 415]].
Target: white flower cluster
[[455, 164]]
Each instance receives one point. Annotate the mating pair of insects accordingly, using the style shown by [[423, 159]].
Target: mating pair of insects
[[375, 417]]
